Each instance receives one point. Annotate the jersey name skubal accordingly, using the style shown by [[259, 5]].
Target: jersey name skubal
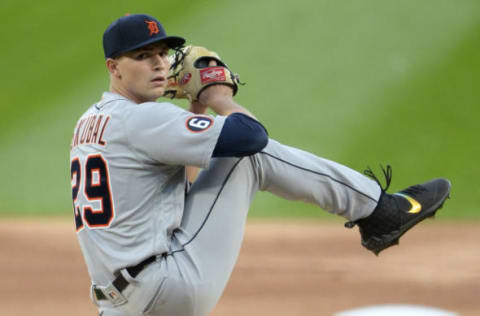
[[90, 130]]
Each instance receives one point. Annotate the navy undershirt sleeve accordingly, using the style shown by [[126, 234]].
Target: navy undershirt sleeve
[[241, 136]]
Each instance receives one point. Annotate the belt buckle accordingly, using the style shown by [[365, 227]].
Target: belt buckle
[[112, 294]]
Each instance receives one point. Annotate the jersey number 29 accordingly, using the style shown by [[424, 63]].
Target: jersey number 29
[[96, 187]]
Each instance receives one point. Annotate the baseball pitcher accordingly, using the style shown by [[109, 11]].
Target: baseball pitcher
[[158, 239]]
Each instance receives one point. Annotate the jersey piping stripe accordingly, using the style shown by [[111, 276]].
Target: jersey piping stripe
[[320, 174], [209, 211], [109, 101]]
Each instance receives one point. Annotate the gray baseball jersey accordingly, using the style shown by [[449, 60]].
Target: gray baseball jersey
[[130, 202], [128, 178]]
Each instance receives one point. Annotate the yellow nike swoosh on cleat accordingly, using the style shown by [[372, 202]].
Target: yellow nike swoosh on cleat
[[416, 207]]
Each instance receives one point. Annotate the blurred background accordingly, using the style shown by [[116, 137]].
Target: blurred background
[[357, 82]]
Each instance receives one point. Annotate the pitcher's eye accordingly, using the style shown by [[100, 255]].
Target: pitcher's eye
[[141, 56]]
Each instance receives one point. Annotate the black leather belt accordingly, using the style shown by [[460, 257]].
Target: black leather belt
[[120, 283]]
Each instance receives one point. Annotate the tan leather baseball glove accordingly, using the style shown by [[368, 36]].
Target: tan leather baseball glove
[[190, 73]]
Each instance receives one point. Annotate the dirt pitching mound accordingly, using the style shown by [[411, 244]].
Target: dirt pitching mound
[[284, 268]]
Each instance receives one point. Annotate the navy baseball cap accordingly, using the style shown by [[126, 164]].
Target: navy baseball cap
[[134, 31]]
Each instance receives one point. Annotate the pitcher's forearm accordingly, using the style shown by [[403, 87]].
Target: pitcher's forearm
[[226, 107], [219, 98]]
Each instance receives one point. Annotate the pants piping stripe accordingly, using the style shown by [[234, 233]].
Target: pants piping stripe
[[281, 160], [209, 211], [320, 174]]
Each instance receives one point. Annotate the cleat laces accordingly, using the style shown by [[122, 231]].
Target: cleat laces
[[387, 172]]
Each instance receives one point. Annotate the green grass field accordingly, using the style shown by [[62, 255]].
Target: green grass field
[[358, 82]]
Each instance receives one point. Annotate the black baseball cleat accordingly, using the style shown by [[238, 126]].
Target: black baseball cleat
[[396, 213]]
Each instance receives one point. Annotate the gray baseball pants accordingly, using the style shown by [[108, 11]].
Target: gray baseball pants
[[189, 280]]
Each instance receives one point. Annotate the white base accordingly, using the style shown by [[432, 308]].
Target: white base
[[396, 310]]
